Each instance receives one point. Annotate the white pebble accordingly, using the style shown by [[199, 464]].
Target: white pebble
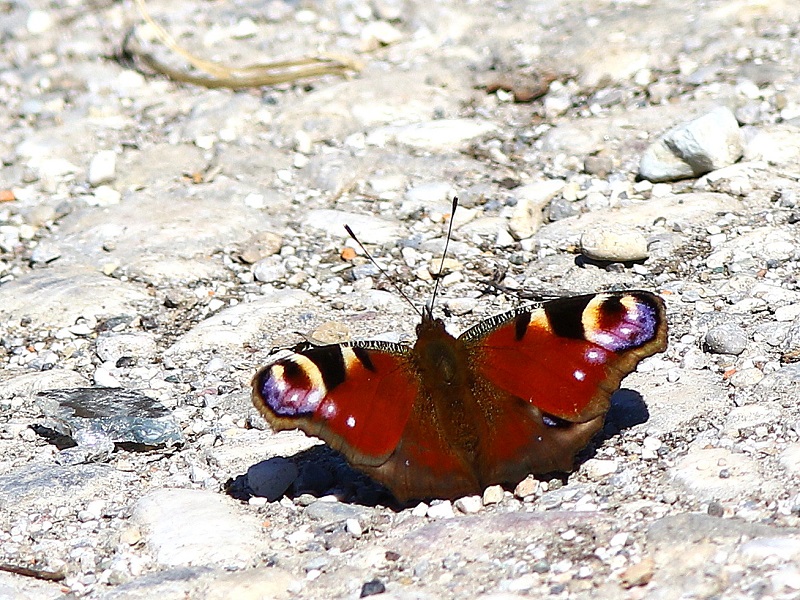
[[469, 504], [102, 168], [442, 510], [38, 21]]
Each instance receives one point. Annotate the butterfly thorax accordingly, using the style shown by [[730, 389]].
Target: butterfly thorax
[[442, 362]]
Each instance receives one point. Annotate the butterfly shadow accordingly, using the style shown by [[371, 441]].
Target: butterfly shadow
[[321, 471], [627, 410]]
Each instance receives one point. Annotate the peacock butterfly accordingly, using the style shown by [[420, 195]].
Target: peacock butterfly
[[519, 393]]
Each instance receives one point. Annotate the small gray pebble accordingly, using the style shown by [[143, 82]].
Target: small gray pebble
[[560, 208]]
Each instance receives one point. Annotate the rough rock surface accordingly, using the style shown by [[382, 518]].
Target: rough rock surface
[[165, 238]]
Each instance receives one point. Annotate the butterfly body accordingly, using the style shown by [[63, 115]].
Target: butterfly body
[[519, 393]]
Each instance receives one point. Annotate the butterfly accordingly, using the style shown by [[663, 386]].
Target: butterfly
[[519, 393]]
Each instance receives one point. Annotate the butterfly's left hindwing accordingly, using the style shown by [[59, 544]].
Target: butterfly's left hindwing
[[355, 397]]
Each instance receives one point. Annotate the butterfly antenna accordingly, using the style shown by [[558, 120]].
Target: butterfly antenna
[[444, 254], [384, 273]]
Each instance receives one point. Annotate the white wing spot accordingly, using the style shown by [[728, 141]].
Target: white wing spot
[[579, 375], [351, 421], [594, 356], [601, 338]]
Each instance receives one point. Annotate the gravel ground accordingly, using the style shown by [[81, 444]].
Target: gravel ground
[[161, 239]]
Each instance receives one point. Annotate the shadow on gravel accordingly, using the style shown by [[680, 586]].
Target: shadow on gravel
[[321, 472], [627, 410]]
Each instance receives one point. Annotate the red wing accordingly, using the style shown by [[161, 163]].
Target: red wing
[[548, 374], [364, 401], [356, 398]]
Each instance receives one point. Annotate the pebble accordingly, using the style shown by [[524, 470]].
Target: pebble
[[638, 574], [271, 478], [268, 271], [45, 252], [441, 510], [783, 548], [354, 528], [493, 495], [39, 21], [369, 229], [789, 312], [104, 196], [379, 33], [442, 134], [597, 469], [746, 377], [527, 218], [469, 504], [194, 527], [614, 245], [431, 192], [526, 487], [102, 168], [726, 338], [709, 142], [330, 512], [260, 246], [104, 378], [461, 306], [717, 473], [110, 348]]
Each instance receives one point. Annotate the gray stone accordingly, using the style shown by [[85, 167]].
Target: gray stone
[[114, 346], [102, 169], [614, 245], [269, 271], [438, 135], [238, 325], [24, 489], [97, 418], [369, 229], [717, 474], [692, 149], [785, 382], [194, 527], [441, 510], [58, 296], [272, 477], [469, 504], [746, 377], [776, 144], [27, 384], [431, 192], [531, 201], [15, 587], [726, 338], [45, 252], [330, 512], [560, 208]]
